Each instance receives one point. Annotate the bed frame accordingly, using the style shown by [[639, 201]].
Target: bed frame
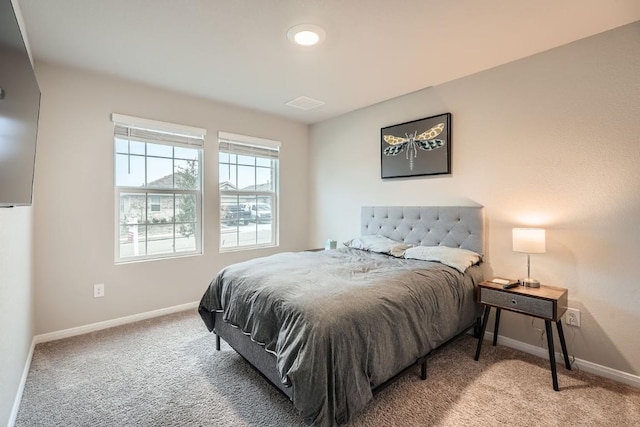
[[452, 226]]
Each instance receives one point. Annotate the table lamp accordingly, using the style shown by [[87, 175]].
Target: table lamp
[[529, 241]]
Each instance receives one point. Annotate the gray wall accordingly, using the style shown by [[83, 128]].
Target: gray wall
[[74, 189], [16, 302], [550, 140]]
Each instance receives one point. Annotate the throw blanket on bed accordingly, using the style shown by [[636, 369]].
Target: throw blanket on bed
[[341, 322]]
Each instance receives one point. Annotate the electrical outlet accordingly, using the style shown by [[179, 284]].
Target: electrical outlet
[[98, 290], [572, 317]]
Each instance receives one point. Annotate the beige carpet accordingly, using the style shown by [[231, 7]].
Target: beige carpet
[[166, 372]]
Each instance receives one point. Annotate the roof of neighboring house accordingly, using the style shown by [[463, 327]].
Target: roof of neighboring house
[[226, 185], [167, 182], [164, 182], [260, 187]]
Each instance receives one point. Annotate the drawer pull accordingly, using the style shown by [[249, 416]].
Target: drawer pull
[[514, 302]]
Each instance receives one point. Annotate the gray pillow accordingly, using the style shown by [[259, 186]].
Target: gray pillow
[[379, 244], [460, 259]]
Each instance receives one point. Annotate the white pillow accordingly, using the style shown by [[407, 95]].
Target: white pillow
[[457, 258], [377, 243]]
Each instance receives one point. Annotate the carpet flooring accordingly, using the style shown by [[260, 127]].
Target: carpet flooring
[[166, 372]]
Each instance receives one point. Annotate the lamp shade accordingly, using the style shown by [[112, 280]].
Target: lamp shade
[[529, 240]]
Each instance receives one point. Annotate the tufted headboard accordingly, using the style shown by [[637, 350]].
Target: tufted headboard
[[453, 226]]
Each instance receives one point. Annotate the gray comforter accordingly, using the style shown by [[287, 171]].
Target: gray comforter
[[341, 322]]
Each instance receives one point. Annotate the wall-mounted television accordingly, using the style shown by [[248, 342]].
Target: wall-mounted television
[[19, 110]]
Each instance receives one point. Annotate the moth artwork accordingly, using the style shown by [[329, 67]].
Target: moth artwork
[[425, 145], [424, 141]]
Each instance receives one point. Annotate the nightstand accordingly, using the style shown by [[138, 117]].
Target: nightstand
[[546, 302]]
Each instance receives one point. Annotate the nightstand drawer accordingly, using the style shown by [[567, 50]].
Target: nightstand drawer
[[516, 302]]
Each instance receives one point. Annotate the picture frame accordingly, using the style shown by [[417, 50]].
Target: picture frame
[[416, 148]]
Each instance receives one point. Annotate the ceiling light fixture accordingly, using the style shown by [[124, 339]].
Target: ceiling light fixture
[[306, 34]]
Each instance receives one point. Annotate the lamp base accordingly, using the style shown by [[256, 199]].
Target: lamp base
[[530, 283]]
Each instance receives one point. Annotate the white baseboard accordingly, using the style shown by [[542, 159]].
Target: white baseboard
[[66, 333], [23, 381], [592, 368]]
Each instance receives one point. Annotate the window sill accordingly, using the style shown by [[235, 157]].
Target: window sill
[[245, 248]]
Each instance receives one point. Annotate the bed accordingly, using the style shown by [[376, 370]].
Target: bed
[[330, 328]]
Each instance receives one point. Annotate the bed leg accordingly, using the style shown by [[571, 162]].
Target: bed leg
[[423, 369], [217, 342]]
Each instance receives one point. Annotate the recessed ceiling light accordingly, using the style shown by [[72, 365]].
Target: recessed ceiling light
[[306, 34]]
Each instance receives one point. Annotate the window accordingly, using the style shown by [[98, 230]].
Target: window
[[248, 172], [155, 203], [158, 185]]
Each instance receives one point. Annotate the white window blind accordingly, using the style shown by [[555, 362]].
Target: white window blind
[[146, 135], [234, 147]]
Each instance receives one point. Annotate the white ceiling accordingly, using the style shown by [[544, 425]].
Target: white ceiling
[[237, 51]]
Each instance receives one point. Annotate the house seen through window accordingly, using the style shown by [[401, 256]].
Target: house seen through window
[[158, 183], [248, 176]]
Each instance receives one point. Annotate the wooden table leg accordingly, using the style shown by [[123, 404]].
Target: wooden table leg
[[552, 354], [487, 310], [567, 364], [495, 327]]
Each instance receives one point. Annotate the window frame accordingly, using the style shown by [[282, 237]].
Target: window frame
[[174, 133], [274, 194]]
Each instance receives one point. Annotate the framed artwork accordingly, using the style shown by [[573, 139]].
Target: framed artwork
[[416, 148]]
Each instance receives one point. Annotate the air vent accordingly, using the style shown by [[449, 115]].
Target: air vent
[[304, 103]]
